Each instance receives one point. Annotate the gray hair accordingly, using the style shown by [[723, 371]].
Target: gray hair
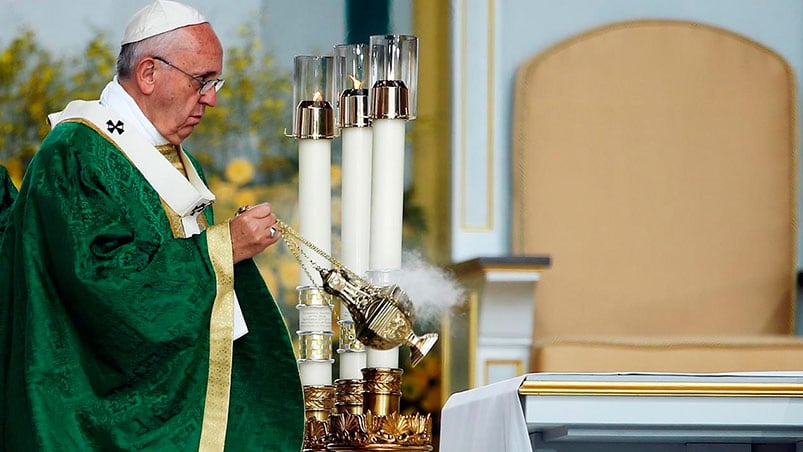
[[133, 52]]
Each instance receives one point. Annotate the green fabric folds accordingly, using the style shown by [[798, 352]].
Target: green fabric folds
[[104, 326], [7, 194]]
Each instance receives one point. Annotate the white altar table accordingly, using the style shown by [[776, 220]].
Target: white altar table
[[660, 412]]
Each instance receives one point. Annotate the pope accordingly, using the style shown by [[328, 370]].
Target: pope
[[129, 318]]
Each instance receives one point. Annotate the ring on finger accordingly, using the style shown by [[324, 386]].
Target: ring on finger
[[272, 232]]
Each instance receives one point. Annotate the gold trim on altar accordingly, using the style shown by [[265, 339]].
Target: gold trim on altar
[[662, 389]]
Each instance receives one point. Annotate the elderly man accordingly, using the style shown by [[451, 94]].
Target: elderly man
[[130, 320]]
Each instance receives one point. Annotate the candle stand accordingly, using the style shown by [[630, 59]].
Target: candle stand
[[380, 427], [361, 411]]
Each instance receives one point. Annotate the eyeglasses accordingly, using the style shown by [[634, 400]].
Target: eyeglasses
[[217, 83]]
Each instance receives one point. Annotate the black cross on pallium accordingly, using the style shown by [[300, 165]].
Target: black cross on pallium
[[111, 126], [200, 207]]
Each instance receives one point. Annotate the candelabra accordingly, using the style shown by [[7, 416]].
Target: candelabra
[[360, 412]]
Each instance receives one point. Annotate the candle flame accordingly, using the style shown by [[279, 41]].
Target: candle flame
[[357, 83], [316, 96]]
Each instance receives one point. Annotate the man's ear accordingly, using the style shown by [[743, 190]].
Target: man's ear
[[145, 75]]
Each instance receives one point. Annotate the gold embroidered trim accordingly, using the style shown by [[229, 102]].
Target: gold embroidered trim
[[175, 221], [172, 154], [216, 408]]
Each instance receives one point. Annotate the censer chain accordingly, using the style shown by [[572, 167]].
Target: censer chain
[[299, 253]]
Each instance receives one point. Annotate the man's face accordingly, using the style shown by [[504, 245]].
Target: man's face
[[176, 106]]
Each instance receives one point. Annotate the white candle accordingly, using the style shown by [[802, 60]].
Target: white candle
[[315, 373], [387, 197], [387, 194], [383, 358], [355, 225], [356, 199], [315, 199], [351, 365], [315, 219]]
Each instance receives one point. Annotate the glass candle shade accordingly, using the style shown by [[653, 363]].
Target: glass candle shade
[[393, 76], [350, 68], [313, 93]]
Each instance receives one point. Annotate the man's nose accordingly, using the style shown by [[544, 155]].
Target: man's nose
[[209, 98]]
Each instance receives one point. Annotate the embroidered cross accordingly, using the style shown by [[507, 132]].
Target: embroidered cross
[[200, 207], [111, 127]]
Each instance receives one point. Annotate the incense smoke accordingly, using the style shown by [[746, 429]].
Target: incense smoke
[[431, 289]]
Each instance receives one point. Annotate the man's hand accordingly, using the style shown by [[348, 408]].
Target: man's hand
[[252, 230]]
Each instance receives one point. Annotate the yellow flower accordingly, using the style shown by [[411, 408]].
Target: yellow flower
[[240, 171]]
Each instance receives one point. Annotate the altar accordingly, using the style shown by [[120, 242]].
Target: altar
[[660, 412]]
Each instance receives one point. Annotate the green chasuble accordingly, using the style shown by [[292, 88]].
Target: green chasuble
[[105, 318], [7, 194]]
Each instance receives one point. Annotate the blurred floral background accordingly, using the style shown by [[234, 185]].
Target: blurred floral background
[[241, 143]]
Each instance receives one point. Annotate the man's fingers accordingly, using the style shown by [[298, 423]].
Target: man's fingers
[[260, 210]]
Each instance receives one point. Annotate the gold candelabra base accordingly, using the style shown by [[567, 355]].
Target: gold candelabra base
[[370, 432], [375, 426]]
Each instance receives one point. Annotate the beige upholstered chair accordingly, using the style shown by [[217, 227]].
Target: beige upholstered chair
[[655, 162]]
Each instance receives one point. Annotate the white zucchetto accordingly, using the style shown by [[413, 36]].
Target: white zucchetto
[[159, 17]]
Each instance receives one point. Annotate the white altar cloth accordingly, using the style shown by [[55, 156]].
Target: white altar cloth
[[638, 409], [487, 419]]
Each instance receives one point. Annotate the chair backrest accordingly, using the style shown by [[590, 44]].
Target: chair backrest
[[655, 161]]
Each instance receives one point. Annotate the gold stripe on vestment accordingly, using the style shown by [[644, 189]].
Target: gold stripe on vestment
[[216, 408], [171, 153]]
